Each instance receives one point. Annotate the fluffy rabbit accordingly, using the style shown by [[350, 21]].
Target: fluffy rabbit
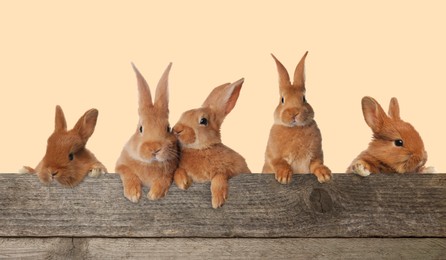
[[150, 157], [66, 159], [396, 146], [203, 157], [295, 142]]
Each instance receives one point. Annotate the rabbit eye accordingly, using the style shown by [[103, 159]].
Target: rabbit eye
[[204, 121], [168, 129], [283, 100], [399, 142], [140, 129], [71, 156], [304, 99]]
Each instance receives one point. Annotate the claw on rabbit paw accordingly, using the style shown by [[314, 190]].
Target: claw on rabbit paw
[[133, 194], [360, 169], [284, 176], [182, 180], [155, 194], [323, 174], [218, 201]]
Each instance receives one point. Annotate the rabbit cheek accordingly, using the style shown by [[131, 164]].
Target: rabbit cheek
[[186, 135]]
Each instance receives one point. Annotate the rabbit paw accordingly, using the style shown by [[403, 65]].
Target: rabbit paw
[[133, 193], [97, 170], [219, 190], [157, 192], [429, 169], [360, 168], [323, 173], [284, 175], [27, 169], [219, 199], [182, 180]]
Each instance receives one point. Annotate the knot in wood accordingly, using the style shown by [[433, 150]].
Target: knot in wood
[[321, 201]]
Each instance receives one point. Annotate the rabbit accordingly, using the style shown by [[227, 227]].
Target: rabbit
[[66, 159], [295, 142], [150, 156], [396, 146], [203, 157]]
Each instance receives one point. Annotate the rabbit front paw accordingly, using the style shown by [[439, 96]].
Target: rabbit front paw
[[132, 192], [182, 180], [284, 175], [219, 190], [323, 173], [429, 169], [157, 191], [360, 168], [97, 170]]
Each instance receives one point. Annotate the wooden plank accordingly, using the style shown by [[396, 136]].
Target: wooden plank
[[217, 248], [349, 206]]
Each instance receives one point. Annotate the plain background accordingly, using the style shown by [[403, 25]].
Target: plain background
[[78, 54]]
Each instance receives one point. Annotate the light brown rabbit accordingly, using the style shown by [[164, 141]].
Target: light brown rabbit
[[295, 142], [150, 157], [396, 146], [66, 159], [203, 157]]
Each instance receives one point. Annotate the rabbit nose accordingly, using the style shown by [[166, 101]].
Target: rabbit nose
[[151, 149], [177, 130]]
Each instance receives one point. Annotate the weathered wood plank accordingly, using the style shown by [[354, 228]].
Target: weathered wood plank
[[258, 206], [217, 248]]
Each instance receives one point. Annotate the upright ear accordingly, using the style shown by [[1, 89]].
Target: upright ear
[[223, 98], [60, 122], [299, 72], [374, 115], [86, 124], [284, 78], [394, 109], [145, 98], [162, 90]]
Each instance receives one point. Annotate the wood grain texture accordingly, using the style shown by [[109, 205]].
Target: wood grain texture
[[258, 207], [217, 248]]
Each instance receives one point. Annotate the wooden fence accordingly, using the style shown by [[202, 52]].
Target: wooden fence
[[380, 216]]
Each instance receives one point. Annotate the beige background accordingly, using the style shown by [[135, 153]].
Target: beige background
[[78, 55]]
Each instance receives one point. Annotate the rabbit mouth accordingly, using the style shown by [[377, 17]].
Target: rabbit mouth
[[296, 122]]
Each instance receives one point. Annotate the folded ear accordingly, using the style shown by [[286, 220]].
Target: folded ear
[[223, 98], [145, 98], [299, 72], [60, 122], [162, 90], [284, 78], [86, 124], [374, 115], [394, 109]]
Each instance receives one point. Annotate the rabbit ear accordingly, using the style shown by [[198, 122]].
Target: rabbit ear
[[374, 115], [86, 124], [394, 109], [162, 90], [60, 122], [299, 72], [223, 98], [284, 78], [145, 98]]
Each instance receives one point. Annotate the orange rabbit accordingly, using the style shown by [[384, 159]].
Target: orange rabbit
[[66, 159], [295, 141], [203, 157], [150, 157], [396, 146]]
